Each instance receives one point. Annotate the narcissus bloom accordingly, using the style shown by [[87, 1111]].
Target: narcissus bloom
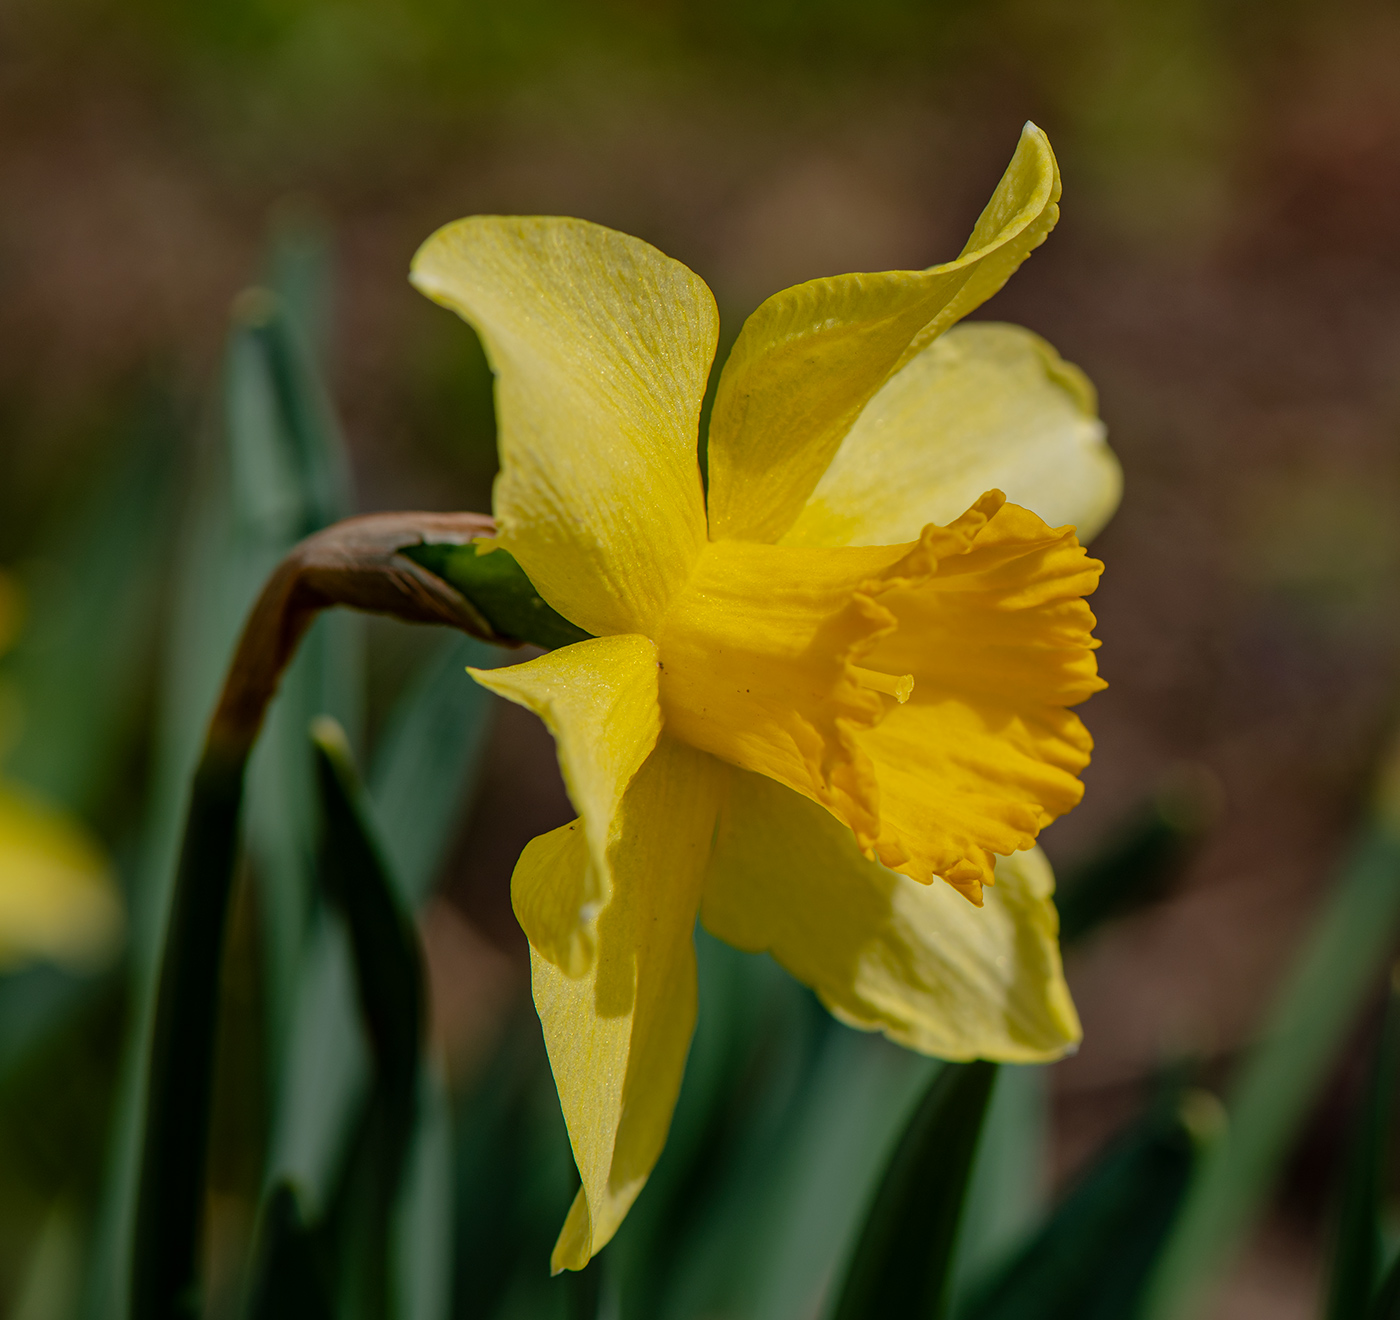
[[57, 897], [821, 708]]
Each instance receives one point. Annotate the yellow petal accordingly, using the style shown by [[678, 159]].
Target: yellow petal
[[985, 406], [57, 898], [883, 952], [618, 1036], [963, 780], [601, 347], [810, 358], [984, 754], [598, 699]]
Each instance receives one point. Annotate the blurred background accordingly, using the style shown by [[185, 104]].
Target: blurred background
[[1225, 271]]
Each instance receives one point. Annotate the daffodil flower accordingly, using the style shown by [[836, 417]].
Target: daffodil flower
[[821, 708], [58, 900]]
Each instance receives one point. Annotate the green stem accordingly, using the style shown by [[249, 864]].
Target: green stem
[[355, 563], [182, 1053]]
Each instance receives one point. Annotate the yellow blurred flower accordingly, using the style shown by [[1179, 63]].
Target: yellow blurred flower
[[57, 896], [813, 697]]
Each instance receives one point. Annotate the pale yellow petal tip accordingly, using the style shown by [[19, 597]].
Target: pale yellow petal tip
[[328, 734], [58, 900], [574, 1248]]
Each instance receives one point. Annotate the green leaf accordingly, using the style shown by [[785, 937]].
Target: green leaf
[[290, 478], [498, 587], [274, 386], [299, 271], [1386, 1305], [49, 1286], [423, 1232], [514, 1180], [1358, 1246], [92, 596], [175, 1122], [755, 1036], [1006, 1193], [1282, 1075], [289, 1276], [215, 585], [390, 985], [902, 1260], [383, 939], [35, 1003], [818, 1109], [1091, 1260], [427, 765], [423, 775], [325, 1075], [274, 475]]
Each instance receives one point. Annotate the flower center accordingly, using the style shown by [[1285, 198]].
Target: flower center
[[900, 688]]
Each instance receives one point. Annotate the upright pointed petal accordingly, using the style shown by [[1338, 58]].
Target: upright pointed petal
[[809, 359], [984, 407], [883, 952], [599, 700], [618, 1036], [601, 347]]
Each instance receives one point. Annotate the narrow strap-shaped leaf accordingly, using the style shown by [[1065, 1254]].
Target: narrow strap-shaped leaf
[[388, 961], [426, 1219], [1091, 1259], [214, 584], [1358, 1246], [97, 574], [291, 478], [271, 480], [585, 1292], [423, 771], [389, 981], [34, 1003], [289, 1280], [302, 412], [901, 1264], [1386, 1304], [1007, 1193], [1281, 1077], [513, 1172], [428, 759], [179, 1088], [811, 1143]]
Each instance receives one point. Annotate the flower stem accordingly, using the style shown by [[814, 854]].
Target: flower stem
[[356, 563]]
